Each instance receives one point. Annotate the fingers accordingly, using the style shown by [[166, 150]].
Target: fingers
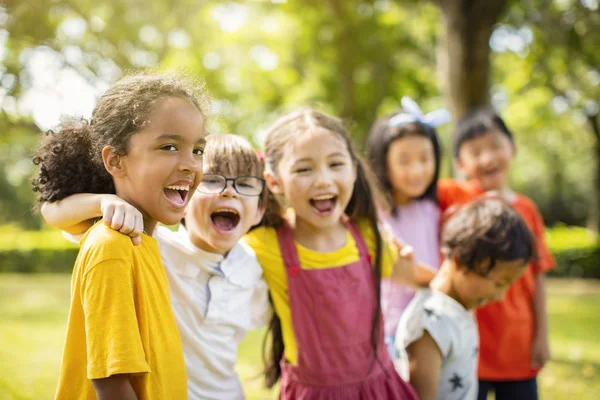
[[137, 240], [407, 252], [132, 223], [118, 218], [107, 214]]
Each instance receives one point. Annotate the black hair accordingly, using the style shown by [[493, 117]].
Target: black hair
[[485, 231], [476, 123], [381, 137]]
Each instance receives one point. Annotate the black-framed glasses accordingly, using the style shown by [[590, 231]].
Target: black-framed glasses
[[244, 185]]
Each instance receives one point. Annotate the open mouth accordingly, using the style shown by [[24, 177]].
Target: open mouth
[[324, 205], [177, 194], [225, 219]]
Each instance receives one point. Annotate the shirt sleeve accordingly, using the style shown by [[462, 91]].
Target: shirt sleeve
[[260, 306], [420, 317], [71, 237], [543, 261], [113, 340], [389, 251]]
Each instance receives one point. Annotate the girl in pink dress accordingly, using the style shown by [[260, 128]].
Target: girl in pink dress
[[324, 268], [404, 153]]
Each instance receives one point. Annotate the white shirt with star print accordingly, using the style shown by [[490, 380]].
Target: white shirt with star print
[[454, 330]]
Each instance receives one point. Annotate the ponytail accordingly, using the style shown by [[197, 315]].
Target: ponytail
[[272, 358], [66, 165]]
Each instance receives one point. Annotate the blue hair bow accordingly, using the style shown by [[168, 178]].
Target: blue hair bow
[[413, 113]]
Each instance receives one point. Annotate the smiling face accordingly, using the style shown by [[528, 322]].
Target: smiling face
[[216, 219], [317, 181], [216, 222], [487, 159], [163, 164], [474, 290], [410, 166]]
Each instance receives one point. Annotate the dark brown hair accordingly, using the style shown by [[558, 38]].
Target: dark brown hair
[[361, 206], [70, 158], [381, 138], [485, 231]]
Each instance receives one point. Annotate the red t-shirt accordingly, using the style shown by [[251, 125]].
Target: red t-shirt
[[506, 327]]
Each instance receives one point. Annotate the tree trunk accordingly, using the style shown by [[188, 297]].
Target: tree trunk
[[594, 210], [464, 52]]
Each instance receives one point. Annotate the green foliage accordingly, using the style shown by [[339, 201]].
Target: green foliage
[[576, 250], [562, 237]]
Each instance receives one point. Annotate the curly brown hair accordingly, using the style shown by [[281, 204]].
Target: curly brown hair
[[362, 205], [485, 231], [70, 158]]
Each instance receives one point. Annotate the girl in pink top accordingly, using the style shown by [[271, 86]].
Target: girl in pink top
[[404, 153]]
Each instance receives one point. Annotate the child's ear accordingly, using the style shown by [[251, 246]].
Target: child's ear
[[113, 162], [273, 183]]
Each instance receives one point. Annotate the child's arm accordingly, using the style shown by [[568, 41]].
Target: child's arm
[[540, 352], [408, 272], [114, 387], [75, 214], [425, 363]]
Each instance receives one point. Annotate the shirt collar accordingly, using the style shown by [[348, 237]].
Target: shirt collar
[[194, 259]]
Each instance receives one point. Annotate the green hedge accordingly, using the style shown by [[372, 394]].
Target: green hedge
[[576, 250], [38, 260]]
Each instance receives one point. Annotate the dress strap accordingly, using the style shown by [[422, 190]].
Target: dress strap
[[357, 235], [287, 246]]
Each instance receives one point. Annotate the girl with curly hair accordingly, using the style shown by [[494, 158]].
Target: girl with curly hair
[[144, 143]]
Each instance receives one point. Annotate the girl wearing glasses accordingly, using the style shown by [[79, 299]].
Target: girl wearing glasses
[[217, 290]]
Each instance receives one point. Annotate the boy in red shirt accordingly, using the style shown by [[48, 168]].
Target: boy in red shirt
[[514, 332]]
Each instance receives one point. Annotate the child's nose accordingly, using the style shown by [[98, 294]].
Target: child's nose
[[229, 190], [322, 178], [189, 162]]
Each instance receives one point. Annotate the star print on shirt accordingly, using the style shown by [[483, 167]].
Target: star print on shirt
[[430, 313], [456, 382]]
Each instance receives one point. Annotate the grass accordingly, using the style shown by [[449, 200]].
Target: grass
[[33, 310]]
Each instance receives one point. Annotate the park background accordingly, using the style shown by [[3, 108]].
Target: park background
[[535, 61]]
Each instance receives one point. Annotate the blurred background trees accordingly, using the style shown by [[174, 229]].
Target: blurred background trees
[[534, 60]]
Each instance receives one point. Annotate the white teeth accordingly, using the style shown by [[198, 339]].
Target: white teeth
[[177, 187], [225, 210], [324, 197]]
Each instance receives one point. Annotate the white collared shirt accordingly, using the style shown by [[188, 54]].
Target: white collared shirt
[[216, 301]]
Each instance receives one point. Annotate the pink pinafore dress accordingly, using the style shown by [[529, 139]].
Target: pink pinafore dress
[[332, 316]]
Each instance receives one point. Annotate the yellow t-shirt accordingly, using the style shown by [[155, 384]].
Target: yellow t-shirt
[[264, 242], [120, 320]]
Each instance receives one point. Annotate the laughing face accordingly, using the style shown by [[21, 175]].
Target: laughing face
[[216, 222], [474, 290], [487, 159], [163, 164], [317, 181]]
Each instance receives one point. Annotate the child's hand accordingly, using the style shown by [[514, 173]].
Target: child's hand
[[123, 217], [540, 351]]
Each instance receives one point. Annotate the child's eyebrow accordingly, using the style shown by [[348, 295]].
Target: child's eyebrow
[[337, 154], [178, 138]]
